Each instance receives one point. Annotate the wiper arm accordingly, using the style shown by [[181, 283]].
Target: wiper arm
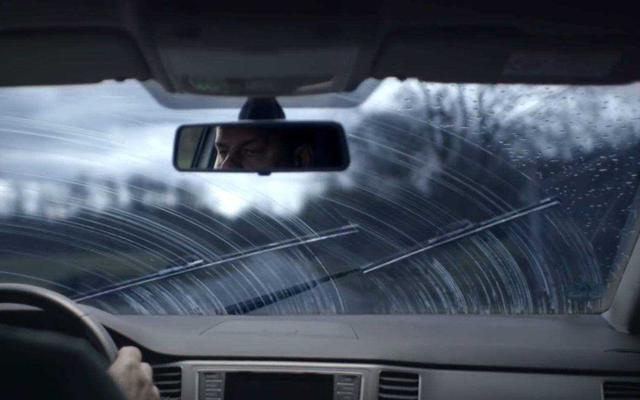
[[258, 302], [200, 264], [461, 233], [466, 230]]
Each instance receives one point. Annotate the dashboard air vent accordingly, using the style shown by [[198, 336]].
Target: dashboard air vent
[[398, 386], [621, 390], [169, 381]]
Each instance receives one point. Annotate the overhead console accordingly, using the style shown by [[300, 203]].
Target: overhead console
[[249, 47]]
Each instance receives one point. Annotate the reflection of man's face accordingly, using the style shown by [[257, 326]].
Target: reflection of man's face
[[247, 149]]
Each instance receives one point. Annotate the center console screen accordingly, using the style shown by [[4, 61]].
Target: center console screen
[[277, 386]]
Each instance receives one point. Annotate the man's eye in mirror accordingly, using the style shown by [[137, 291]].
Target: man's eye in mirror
[[262, 147], [251, 152]]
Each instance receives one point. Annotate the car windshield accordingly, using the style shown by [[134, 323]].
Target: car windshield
[[460, 199]]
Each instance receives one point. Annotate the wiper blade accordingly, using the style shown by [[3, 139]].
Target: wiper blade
[[461, 233], [200, 264], [466, 229]]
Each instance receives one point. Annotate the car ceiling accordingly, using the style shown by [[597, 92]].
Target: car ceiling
[[275, 48]]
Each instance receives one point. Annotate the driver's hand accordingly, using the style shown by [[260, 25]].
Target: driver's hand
[[134, 377]]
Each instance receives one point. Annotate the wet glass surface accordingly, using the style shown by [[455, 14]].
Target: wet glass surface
[[459, 199]]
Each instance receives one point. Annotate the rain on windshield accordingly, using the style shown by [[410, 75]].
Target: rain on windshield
[[460, 199]]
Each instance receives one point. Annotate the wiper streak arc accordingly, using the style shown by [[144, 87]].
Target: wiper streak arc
[[464, 232], [197, 265]]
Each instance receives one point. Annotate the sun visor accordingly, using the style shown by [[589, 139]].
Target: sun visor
[[65, 57], [506, 56]]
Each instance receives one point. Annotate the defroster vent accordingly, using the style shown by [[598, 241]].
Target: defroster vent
[[621, 390], [169, 381], [398, 386]]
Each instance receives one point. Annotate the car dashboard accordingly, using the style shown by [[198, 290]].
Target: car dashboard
[[384, 357], [240, 380], [376, 357]]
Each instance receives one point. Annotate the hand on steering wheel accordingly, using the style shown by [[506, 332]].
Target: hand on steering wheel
[[134, 377]]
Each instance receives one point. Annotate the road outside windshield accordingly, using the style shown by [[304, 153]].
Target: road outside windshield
[[460, 199]]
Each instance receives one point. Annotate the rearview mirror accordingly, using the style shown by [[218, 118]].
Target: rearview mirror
[[262, 147]]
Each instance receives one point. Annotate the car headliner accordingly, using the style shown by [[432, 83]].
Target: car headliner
[[252, 48]]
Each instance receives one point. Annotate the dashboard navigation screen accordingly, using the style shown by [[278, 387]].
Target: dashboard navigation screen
[[281, 386]]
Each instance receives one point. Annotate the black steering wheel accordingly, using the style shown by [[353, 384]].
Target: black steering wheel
[[80, 322]]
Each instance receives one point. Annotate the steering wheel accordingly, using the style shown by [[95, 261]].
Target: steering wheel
[[64, 308]]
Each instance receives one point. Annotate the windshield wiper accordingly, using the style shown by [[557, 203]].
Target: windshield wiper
[[467, 229], [258, 302], [264, 300], [200, 264], [461, 233]]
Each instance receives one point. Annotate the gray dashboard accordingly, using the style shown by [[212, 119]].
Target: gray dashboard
[[430, 383], [466, 357], [568, 344], [446, 357]]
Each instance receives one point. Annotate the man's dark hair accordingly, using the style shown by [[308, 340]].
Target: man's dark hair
[[261, 108]]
